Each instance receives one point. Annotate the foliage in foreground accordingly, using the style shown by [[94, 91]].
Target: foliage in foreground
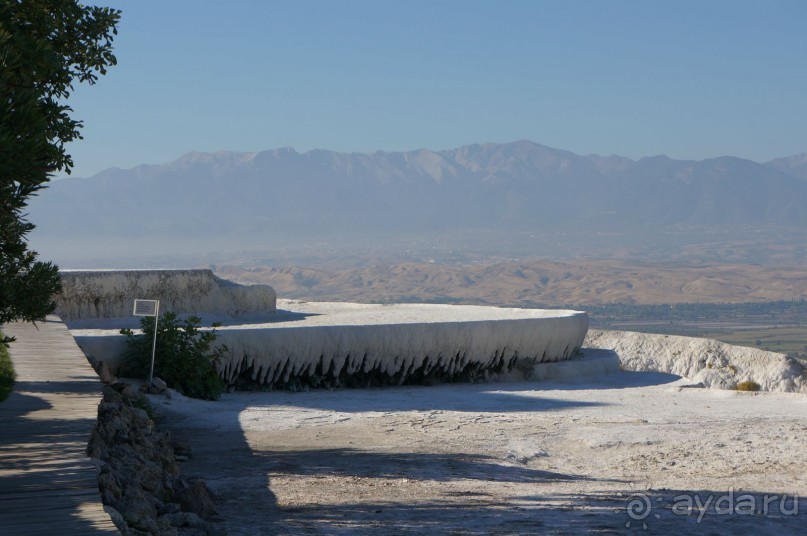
[[6, 372], [748, 385], [45, 48], [185, 358]]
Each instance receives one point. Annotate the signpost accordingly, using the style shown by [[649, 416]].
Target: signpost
[[149, 308]]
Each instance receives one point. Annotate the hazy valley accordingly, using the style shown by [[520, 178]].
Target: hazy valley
[[512, 200], [517, 224]]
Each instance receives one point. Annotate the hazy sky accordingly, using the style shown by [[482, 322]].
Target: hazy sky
[[690, 79]]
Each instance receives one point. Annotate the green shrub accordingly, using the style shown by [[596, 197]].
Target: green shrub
[[6, 371], [185, 358], [748, 385], [141, 402]]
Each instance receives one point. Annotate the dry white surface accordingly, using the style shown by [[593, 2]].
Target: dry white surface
[[502, 458], [363, 314], [707, 361]]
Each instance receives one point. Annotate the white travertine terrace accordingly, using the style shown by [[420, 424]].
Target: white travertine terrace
[[89, 295], [329, 339], [395, 342], [707, 361]]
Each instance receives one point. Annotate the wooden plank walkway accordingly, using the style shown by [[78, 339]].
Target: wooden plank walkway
[[48, 485]]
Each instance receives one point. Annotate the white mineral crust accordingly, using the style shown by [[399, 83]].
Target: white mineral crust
[[93, 294], [396, 339], [706, 361], [308, 338]]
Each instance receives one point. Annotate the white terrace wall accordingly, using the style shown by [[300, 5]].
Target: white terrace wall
[[110, 294], [322, 344], [275, 354]]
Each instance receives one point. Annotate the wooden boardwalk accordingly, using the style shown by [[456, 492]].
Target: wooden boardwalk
[[48, 485]]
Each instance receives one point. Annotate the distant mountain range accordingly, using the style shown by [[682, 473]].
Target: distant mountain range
[[521, 186]]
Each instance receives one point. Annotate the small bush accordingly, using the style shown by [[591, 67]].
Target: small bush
[[748, 385], [143, 403], [526, 366], [185, 358], [6, 371]]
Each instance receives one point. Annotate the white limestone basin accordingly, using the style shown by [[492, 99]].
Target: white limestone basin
[[329, 340]]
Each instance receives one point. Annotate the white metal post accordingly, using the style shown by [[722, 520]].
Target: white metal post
[[154, 342]]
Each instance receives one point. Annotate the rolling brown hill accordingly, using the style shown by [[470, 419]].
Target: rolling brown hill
[[531, 283]]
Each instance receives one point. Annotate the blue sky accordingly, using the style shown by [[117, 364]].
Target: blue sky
[[690, 79]]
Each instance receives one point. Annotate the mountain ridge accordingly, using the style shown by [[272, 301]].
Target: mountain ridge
[[230, 197], [791, 164]]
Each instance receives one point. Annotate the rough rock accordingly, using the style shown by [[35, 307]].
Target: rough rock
[[104, 374], [138, 509], [181, 449], [115, 516], [138, 475], [195, 497], [159, 384], [183, 519], [706, 361]]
